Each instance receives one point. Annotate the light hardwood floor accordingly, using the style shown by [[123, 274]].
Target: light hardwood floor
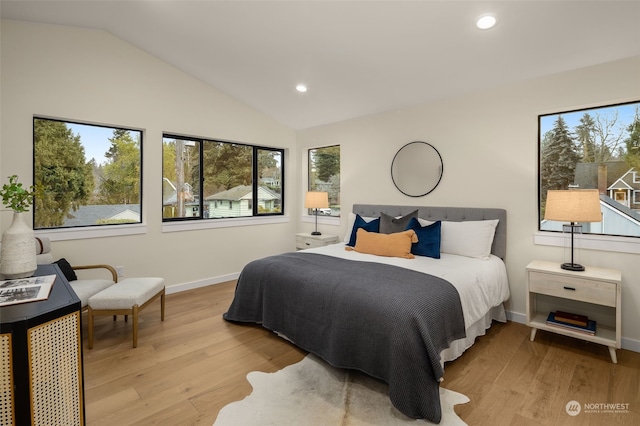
[[188, 367]]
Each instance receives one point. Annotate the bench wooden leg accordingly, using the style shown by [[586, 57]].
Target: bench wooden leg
[[162, 306], [135, 326], [134, 312], [90, 326]]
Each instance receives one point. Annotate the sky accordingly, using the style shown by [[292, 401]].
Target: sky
[[626, 113], [94, 139]]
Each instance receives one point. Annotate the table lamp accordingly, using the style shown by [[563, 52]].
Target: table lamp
[[574, 206], [316, 200]]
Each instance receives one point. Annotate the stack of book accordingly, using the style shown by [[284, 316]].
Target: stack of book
[[571, 321]]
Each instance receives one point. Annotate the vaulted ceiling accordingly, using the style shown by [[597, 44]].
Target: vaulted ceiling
[[356, 57]]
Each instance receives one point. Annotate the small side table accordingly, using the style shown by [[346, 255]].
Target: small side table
[[41, 354], [305, 240], [592, 287]]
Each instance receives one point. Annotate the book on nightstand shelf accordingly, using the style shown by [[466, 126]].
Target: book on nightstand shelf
[[570, 318], [554, 321]]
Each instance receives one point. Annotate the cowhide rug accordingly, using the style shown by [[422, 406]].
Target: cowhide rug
[[312, 392]]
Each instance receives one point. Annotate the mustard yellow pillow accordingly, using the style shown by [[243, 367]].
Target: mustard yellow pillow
[[391, 245]]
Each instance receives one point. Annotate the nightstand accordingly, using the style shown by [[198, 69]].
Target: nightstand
[[594, 291], [305, 240]]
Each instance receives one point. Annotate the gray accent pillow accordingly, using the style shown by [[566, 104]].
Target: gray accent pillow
[[390, 225]]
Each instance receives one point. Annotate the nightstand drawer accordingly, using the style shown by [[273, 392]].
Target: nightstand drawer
[[305, 243], [307, 240], [599, 292]]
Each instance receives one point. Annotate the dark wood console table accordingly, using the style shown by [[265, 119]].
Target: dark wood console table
[[41, 377]]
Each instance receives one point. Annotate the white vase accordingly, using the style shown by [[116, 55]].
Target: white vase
[[18, 249]]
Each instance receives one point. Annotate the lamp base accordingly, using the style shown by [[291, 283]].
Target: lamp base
[[572, 267], [316, 233]]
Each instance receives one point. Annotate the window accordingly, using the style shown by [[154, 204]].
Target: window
[[86, 174], [324, 175], [597, 148], [206, 179]]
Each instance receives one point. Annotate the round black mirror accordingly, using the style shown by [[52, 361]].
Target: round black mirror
[[416, 169]]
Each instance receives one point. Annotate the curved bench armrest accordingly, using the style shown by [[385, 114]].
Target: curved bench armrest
[[111, 269]]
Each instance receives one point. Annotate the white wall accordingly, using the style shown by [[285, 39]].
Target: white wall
[[488, 141], [87, 75]]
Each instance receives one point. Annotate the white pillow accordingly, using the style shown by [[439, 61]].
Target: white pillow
[[471, 238], [350, 221], [425, 222]]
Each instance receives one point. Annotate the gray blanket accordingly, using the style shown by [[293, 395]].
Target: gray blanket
[[389, 322]]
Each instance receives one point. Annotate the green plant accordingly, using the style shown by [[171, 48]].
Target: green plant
[[15, 196]]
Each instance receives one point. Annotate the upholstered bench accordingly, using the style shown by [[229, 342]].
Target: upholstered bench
[[126, 297]]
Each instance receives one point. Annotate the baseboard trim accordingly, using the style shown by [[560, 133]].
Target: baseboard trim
[[516, 317], [177, 288], [625, 342], [630, 344]]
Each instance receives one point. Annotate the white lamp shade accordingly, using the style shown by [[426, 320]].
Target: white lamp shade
[[316, 200], [573, 205]]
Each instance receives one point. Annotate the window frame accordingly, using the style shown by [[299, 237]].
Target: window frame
[[309, 212], [254, 185], [61, 233], [591, 241]]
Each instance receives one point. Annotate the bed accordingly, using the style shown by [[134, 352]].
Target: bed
[[397, 319]]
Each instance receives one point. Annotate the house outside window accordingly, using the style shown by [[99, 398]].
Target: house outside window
[[324, 175], [222, 179], [87, 175], [595, 148]]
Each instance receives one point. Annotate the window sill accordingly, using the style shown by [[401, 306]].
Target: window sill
[[589, 242], [221, 223], [63, 234]]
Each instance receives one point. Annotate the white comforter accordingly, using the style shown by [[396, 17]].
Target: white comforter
[[482, 284]]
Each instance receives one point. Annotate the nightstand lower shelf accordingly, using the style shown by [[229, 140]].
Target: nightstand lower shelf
[[604, 335]]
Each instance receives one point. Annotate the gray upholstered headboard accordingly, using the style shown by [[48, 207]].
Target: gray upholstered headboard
[[453, 214]]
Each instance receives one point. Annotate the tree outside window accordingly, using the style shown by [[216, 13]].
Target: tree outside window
[[86, 175], [180, 178], [207, 179], [324, 175]]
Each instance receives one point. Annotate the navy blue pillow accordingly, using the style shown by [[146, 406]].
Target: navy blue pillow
[[428, 239], [373, 226]]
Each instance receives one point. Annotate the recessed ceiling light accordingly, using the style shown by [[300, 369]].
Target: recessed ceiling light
[[301, 88], [486, 21]]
